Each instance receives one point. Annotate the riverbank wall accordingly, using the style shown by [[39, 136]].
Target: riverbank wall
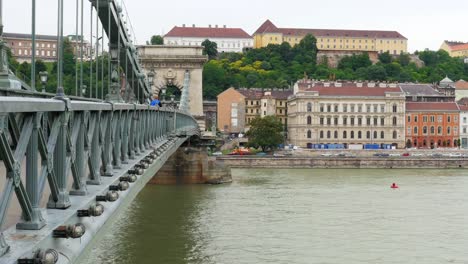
[[343, 163]]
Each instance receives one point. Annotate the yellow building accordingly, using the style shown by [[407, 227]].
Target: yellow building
[[333, 39], [455, 49]]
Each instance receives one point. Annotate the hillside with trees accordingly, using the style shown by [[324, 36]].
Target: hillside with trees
[[278, 66]]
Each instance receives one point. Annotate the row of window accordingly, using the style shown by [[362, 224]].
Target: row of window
[[432, 130], [222, 44], [352, 121], [360, 41], [352, 108], [432, 118], [352, 134], [38, 53], [279, 102], [43, 45]]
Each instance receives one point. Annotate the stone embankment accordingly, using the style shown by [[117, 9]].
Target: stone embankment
[[359, 162]]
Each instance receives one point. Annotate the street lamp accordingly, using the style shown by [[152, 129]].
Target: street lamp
[[173, 104], [83, 89], [44, 76], [150, 78], [163, 91]]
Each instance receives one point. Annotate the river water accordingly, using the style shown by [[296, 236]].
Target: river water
[[296, 216]]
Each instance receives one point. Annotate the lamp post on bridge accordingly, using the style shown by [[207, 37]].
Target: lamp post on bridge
[[44, 76], [114, 93]]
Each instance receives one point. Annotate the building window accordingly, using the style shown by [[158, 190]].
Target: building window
[[394, 108], [328, 120], [375, 108], [415, 118], [455, 118], [359, 108], [409, 118], [375, 134], [352, 121], [382, 121], [321, 134], [425, 119], [264, 113], [336, 109], [309, 134], [328, 134], [375, 121], [449, 119], [359, 120], [321, 120], [408, 131], [345, 108], [368, 133], [309, 107], [19, 52], [382, 135], [368, 107], [394, 121], [439, 118], [415, 131], [321, 108], [382, 108], [309, 120], [432, 119], [352, 108], [344, 134], [359, 135], [336, 134], [264, 104], [352, 134], [432, 130], [345, 121], [394, 134], [448, 130], [455, 131], [329, 108], [439, 130], [425, 130]]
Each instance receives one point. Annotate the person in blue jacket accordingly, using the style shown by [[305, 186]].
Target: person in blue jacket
[[156, 102]]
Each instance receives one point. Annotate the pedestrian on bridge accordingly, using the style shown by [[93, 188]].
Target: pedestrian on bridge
[[155, 102]]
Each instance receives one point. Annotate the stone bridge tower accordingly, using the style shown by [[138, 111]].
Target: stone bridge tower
[[170, 64]]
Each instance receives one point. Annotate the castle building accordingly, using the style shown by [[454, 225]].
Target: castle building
[[226, 39], [334, 39], [455, 48]]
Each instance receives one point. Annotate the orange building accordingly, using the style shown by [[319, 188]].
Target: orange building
[[432, 124]]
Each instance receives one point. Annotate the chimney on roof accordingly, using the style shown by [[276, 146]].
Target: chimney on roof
[[193, 25], [183, 25], [216, 26], [209, 25], [224, 26]]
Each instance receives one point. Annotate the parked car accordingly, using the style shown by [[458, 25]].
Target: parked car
[[417, 155], [455, 155], [393, 154], [217, 153], [436, 155], [406, 154], [278, 155], [326, 154], [261, 154]]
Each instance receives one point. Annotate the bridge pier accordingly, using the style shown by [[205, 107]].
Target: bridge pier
[[192, 165]]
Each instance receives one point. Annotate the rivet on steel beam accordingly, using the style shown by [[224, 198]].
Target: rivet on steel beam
[[110, 196], [95, 209], [69, 231]]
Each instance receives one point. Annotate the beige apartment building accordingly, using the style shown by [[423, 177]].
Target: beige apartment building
[[346, 113], [238, 107]]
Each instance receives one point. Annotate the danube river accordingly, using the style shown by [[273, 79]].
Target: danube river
[[296, 216]]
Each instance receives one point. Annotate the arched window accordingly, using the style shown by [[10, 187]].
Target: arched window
[[375, 134], [309, 134], [394, 121], [425, 130], [368, 134], [439, 130], [448, 130], [394, 134], [359, 134], [328, 134], [321, 134], [415, 130], [309, 120], [352, 134], [382, 135], [394, 108], [432, 130], [345, 135], [449, 143], [336, 134], [309, 107]]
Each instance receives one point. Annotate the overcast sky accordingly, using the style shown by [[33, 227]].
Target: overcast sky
[[426, 23]]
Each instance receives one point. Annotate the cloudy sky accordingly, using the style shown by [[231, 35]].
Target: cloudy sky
[[426, 23]]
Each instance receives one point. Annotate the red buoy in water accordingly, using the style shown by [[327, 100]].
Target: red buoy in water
[[394, 186]]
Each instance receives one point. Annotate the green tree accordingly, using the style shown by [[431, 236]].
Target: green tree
[[265, 132], [210, 48], [385, 57], [156, 40]]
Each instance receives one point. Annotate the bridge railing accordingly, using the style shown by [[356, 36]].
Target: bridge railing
[[62, 140]]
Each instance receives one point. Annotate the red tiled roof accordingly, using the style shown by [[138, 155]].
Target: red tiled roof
[[352, 90], [463, 107], [269, 27], [461, 85], [459, 47], [203, 32], [431, 106]]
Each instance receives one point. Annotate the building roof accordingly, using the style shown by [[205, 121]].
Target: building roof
[[453, 43], [431, 106], [354, 91], [463, 107], [257, 94], [419, 90], [28, 36], [446, 80], [207, 32], [461, 85], [459, 47], [269, 27]]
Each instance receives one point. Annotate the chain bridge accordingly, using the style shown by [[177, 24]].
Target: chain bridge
[[69, 161]]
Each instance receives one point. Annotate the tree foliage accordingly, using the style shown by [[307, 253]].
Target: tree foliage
[[265, 132], [156, 40], [210, 48]]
